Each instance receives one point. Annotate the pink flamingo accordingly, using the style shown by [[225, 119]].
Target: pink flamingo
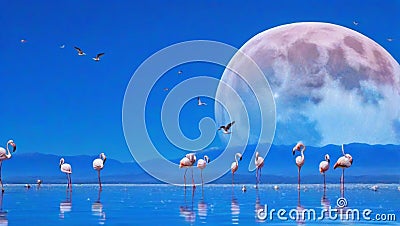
[[187, 162], [324, 166], [98, 165], [201, 164], [66, 168], [259, 161], [299, 159], [235, 164], [5, 155], [343, 162]]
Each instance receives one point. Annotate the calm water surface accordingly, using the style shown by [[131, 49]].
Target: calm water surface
[[173, 205]]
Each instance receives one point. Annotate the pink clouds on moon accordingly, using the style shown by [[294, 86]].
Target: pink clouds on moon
[[331, 85]]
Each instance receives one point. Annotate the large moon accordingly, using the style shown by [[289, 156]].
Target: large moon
[[331, 85]]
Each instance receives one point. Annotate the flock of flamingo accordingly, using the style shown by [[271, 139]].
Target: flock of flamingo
[[189, 160], [343, 162], [98, 164]]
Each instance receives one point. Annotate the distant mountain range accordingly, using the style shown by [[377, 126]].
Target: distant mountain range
[[372, 164]]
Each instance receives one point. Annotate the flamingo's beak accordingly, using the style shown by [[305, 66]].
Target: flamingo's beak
[[240, 158], [208, 160], [14, 146], [293, 151]]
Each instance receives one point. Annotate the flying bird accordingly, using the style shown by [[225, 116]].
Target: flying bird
[[180, 72], [201, 164], [259, 161], [80, 52], [343, 162], [23, 40], [98, 164], [62, 46], [188, 162], [235, 164], [355, 23], [97, 57], [299, 159], [324, 166], [166, 89], [5, 155], [199, 103], [226, 128], [389, 39], [66, 168]]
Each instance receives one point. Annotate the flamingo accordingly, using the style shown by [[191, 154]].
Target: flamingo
[[98, 165], [259, 161], [5, 155], [343, 162], [226, 128], [187, 162], [299, 159], [97, 57], [235, 164], [201, 164], [324, 166], [66, 168]]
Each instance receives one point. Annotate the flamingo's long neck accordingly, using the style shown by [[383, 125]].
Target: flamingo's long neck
[[302, 152], [8, 150], [237, 163]]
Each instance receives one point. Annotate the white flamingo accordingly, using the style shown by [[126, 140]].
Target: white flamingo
[[324, 166], [259, 161], [5, 155], [66, 168], [299, 159], [201, 164], [187, 162], [98, 165], [343, 162], [235, 164]]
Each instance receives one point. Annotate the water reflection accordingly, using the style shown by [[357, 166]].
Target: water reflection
[[326, 205], [202, 208], [66, 206], [97, 209], [258, 207], [3, 213], [235, 209], [186, 211], [300, 210]]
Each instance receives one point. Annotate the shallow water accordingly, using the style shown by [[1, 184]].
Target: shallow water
[[173, 205]]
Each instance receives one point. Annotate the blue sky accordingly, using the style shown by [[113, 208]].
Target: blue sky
[[57, 102]]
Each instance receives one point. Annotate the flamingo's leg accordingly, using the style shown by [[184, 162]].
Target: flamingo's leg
[[298, 180], [98, 174], [184, 177], [1, 182], [194, 186]]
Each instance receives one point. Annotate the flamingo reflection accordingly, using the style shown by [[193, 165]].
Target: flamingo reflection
[[186, 211], [202, 209], [66, 206], [97, 209], [258, 207], [326, 205], [300, 210], [235, 209], [3, 213]]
